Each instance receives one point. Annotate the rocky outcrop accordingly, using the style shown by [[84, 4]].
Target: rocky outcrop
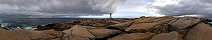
[[133, 36], [78, 31], [148, 27], [183, 23], [144, 28], [121, 26], [168, 36], [11, 35], [54, 26], [201, 31], [103, 33], [100, 23]]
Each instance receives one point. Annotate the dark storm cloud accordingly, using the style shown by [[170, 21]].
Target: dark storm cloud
[[188, 7], [42, 8]]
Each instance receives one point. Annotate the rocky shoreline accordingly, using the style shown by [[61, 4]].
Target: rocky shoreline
[[144, 28]]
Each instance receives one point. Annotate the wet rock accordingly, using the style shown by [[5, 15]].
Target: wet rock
[[199, 32], [55, 26], [45, 27], [133, 36], [102, 33], [79, 32], [183, 23], [168, 36], [121, 26]]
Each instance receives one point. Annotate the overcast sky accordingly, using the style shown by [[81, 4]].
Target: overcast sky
[[101, 8]]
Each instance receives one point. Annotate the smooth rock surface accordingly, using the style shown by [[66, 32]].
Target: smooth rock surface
[[121, 26], [79, 32], [142, 27], [133, 36], [9, 35], [101, 33], [168, 36], [199, 32], [183, 23]]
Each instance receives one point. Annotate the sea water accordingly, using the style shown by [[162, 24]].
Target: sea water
[[31, 23]]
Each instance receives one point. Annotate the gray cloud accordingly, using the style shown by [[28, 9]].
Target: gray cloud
[[188, 7], [54, 8]]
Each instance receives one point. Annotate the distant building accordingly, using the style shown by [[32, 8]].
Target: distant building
[[142, 16]]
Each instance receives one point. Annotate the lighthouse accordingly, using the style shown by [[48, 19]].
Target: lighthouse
[[110, 15]]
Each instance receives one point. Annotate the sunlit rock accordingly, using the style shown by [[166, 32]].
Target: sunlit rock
[[102, 33], [121, 26], [133, 36], [183, 23], [79, 32], [168, 36], [201, 31]]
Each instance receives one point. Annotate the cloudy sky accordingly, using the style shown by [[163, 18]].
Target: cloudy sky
[[101, 8]]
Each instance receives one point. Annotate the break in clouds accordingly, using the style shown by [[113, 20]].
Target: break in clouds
[[56, 8], [202, 8]]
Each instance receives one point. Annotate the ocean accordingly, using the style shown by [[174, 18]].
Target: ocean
[[30, 23]]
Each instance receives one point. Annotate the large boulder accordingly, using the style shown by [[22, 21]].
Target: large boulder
[[78, 31], [121, 26], [23, 32], [102, 33], [183, 23], [142, 27], [168, 36], [148, 27], [133, 36], [160, 28], [37, 35], [10, 35], [201, 31], [44, 35]]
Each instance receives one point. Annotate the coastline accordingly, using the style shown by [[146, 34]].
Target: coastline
[[144, 28]]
